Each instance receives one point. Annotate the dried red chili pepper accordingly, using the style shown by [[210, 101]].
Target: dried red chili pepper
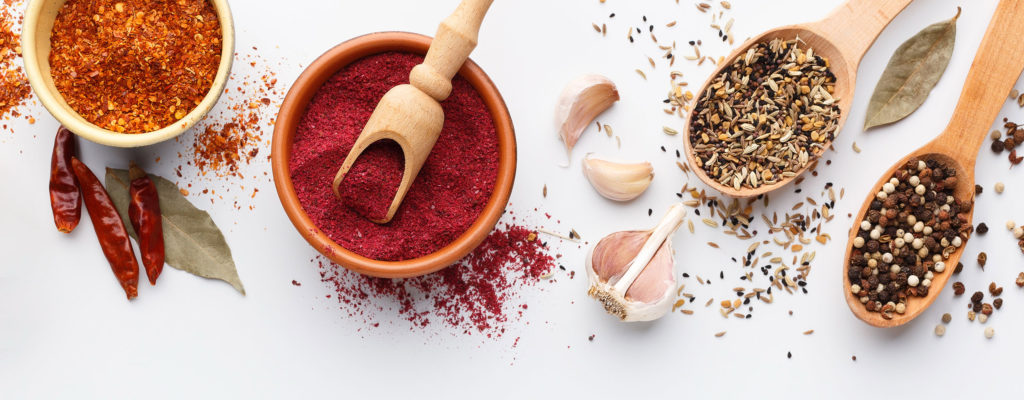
[[110, 230], [144, 214], [65, 199]]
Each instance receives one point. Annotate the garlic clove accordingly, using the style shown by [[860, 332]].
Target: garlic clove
[[582, 100], [632, 273], [611, 255], [618, 181]]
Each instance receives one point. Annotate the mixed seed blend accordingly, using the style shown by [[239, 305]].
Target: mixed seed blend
[[911, 227], [766, 116]]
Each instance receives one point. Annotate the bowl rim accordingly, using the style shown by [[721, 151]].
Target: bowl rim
[[294, 106], [53, 101]]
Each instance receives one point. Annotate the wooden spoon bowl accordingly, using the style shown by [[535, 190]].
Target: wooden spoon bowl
[[996, 67], [842, 37]]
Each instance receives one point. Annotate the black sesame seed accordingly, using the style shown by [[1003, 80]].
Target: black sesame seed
[[650, 211]]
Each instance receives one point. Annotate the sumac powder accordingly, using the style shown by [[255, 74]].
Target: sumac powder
[[447, 196], [479, 294]]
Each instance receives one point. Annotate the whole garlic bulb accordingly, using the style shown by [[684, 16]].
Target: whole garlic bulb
[[582, 100], [632, 273], [617, 181]]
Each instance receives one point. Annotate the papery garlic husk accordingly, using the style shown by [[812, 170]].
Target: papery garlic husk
[[618, 181], [632, 273], [582, 100]]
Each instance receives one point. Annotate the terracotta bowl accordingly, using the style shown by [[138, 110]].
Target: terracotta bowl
[[294, 107], [35, 44]]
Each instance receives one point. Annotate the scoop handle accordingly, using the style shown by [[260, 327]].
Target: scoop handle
[[853, 26], [995, 69], [455, 39]]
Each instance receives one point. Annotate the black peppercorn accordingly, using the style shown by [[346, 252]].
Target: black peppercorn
[[977, 297], [997, 146], [982, 228], [958, 288]]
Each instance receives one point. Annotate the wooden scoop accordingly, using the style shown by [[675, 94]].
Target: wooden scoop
[[842, 37], [410, 114], [995, 69]]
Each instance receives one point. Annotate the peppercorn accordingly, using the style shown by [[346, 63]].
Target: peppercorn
[[959, 267], [1020, 280], [946, 318], [978, 189], [958, 288], [995, 290], [982, 228], [997, 146], [986, 309], [982, 259], [977, 297], [997, 303]]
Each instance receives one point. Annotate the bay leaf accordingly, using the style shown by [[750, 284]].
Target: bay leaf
[[192, 241], [912, 72]]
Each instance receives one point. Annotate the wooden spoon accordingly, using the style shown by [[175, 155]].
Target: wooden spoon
[[995, 69], [411, 114], [842, 37]]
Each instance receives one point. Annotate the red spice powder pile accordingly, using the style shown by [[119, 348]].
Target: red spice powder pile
[[370, 185], [14, 87], [450, 191], [479, 294]]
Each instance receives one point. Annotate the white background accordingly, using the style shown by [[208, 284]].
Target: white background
[[67, 331]]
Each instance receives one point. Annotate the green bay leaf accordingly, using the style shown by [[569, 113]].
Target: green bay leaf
[[912, 72], [192, 241]]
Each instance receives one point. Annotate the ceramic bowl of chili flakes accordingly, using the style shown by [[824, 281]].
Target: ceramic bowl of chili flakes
[[348, 80], [173, 60]]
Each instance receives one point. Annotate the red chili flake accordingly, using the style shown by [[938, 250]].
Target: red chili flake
[[232, 135], [449, 193], [135, 66], [478, 294], [14, 88]]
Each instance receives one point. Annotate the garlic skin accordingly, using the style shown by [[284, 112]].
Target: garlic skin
[[617, 181], [582, 100], [632, 273]]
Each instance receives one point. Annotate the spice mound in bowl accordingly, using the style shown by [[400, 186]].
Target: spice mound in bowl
[[135, 66], [766, 116], [912, 226], [448, 195]]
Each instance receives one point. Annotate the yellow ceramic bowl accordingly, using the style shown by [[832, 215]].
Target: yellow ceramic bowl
[[35, 44]]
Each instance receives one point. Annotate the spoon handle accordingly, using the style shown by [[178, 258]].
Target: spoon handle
[[854, 26], [455, 39], [996, 67]]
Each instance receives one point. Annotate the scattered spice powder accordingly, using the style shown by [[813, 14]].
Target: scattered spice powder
[[481, 293], [135, 66], [232, 134], [450, 191]]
